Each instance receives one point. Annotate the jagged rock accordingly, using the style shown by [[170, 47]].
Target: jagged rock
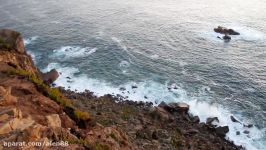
[[180, 107], [234, 119], [15, 124], [53, 120], [221, 131], [134, 86], [223, 30], [210, 120], [50, 76], [195, 119], [163, 105], [246, 132], [237, 133], [175, 107], [162, 114], [109, 136], [11, 40], [5, 96]]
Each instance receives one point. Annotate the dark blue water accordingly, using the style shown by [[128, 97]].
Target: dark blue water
[[107, 44]]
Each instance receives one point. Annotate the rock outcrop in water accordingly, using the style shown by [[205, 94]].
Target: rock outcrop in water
[[223, 30], [226, 32], [54, 118]]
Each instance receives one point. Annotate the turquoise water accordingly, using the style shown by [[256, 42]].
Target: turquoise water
[[104, 45]]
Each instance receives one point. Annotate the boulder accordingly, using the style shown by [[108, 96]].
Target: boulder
[[221, 131], [50, 76], [223, 30], [195, 119], [161, 114], [210, 120], [10, 39], [246, 132], [175, 107]]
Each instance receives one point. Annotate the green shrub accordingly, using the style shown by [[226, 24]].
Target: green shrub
[[4, 44], [82, 115]]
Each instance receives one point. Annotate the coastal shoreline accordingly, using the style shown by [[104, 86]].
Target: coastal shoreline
[[32, 110]]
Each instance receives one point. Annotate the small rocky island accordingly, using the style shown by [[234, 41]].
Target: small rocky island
[[226, 32], [33, 111]]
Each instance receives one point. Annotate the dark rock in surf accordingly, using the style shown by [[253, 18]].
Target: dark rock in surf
[[234, 119], [122, 89], [163, 105], [221, 131], [237, 132], [246, 132], [248, 125], [227, 38], [134, 86], [210, 120], [223, 30], [232, 32], [50, 76]]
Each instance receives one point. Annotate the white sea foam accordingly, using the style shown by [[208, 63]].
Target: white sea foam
[[73, 52], [30, 40], [155, 92], [249, 34], [32, 54]]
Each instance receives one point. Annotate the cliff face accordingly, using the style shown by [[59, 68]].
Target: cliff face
[[35, 116], [31, 111]]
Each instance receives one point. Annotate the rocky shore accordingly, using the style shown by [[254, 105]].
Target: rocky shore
[[33, 111]]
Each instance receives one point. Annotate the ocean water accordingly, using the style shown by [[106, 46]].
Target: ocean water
[[103, 45]]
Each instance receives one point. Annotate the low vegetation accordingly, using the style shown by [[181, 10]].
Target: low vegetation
[[53, 93], [4, 44]]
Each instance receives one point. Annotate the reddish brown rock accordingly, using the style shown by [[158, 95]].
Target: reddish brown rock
[[50, 76]]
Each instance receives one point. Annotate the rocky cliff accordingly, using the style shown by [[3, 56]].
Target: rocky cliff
[[35, 116]]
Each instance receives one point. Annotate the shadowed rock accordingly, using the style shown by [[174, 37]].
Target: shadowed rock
[[221, 131], [175, 107], [210, 120]]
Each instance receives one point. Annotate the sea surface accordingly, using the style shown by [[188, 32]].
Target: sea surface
[[156, 45]]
